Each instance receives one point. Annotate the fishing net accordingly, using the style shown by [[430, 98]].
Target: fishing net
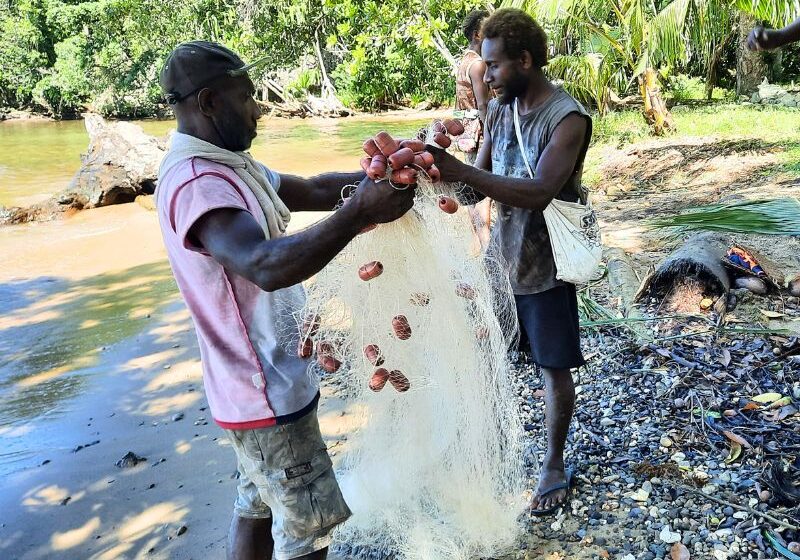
[[435, 469]]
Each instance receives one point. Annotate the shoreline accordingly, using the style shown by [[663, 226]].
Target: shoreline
[[24, 115], [286, 144], [136, 385]]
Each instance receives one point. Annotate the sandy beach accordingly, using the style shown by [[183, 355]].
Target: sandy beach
[[98, 357], [62, 495]]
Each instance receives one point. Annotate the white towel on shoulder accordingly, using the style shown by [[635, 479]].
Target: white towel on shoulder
[[184, 146]]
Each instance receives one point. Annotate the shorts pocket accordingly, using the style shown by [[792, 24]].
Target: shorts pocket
[[301, 474], [309, 501]]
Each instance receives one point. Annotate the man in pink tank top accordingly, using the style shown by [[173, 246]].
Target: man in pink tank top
[[472, 98], [223, 218]]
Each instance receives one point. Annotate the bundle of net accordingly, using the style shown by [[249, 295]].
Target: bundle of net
[[417, 324]]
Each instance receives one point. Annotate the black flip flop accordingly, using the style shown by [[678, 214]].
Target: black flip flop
[[567, 484]]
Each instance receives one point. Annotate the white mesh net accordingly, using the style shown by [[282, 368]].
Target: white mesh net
[[434, 472]]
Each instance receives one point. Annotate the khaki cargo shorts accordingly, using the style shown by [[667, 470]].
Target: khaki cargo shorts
[[286, 474]]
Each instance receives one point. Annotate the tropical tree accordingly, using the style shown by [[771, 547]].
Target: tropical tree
[[604, 47], [377, 53]]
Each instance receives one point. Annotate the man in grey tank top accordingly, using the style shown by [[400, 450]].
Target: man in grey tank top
[[555, 131]]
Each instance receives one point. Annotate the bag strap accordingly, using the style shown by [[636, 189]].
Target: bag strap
[[522, 147], [583, 192]]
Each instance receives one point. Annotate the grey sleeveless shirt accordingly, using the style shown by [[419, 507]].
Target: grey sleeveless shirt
[[520, 235]]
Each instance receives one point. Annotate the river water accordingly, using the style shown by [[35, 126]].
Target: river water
[[39, 158], [73, 291]]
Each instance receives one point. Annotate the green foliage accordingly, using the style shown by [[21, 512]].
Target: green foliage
[[693, 88], [62, 56], [590, 77], [21, 59], [620, 127], [769, 217], [307, 80], [770, 123], [66, 87], [776, 12], [389, 54], [628, 36]]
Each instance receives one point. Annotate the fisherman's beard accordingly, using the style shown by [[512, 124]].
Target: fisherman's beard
[[516, 87]]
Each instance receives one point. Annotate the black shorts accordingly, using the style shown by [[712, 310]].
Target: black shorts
[[549, 320]]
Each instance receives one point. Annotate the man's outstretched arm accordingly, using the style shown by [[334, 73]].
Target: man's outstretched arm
[[767, 39], [235, 239], [556, 165], [318, 193]]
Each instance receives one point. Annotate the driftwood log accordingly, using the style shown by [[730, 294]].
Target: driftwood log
[[622, 278], [120, 164]]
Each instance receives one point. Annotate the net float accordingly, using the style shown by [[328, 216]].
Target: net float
[[427, 159], [371, 270], [386, 144], [442, 139], [405, 176], [402, 329], [419, 298], [434, 173], [373, 354], [414, 144], [365, 163], [401, 158], [310, 325], [305, 348], [329, 364], [371, 147], [399, 381], [448, 204], [453, 127], [325, 357], [378, 379], [377, 168], [465, 290]]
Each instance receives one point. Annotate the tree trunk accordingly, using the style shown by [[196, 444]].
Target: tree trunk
[[700, 257], [713, 64], [329, 103], [655, 109], [751, 68]]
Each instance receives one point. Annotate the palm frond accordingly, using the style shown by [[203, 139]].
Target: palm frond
[[776, 12], [711, 24], [770, 217], [545, 11], [634, 18], [667, 33], [583, 77]]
